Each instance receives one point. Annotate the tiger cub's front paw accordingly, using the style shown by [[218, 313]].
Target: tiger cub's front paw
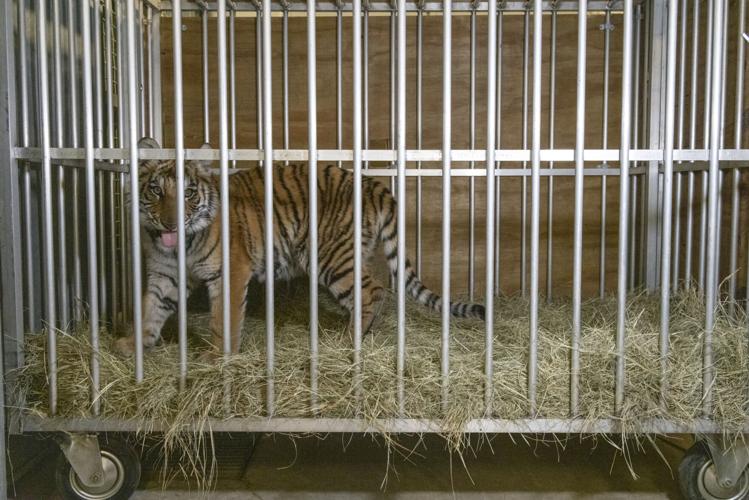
[[125, 346], [211, 356]]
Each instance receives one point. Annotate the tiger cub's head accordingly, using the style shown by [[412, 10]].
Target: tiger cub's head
[[158, 196]]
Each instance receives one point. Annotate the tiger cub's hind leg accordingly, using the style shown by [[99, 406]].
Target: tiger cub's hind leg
[[342, 288]]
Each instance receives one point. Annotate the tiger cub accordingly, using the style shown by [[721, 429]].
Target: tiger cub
[[158, 209]]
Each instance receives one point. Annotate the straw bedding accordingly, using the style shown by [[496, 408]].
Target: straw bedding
[[158, 398]]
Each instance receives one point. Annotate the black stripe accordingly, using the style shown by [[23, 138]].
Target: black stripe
[[388, 238], [335, 278], [205, 256], [213, 277], [172, 280], [344, 294]]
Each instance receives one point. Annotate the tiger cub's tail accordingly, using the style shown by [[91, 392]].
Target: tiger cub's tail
[[388, 235]]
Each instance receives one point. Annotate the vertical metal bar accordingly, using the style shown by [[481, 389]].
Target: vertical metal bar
[[179, 146], [550, 187], [491, 110], [524, 180], [268, 149], [472, 145], [11, 322], [498, 134], [111, 208], [692, 143], [285, 41], [91, 232], [706, 133], [206, 89], [11, 252], [28, 261], [633, 221], [312, 145], [419, 127], [393, 111], [712, 229], [401, 246], [621, 299], [577, 264], [606, 28], [123, 129], [719, 223], [365, 82], [721, 173], [98, 95], [132, 97], [154, 91], [651, 186], [233, 81], [149, 66], [676, 250], [74, 142], [668, 169], [736, 175], [48, 231], [535, 202], [357, 319], [142, 123], [259, 75], [62, 262], [339, 79], [642, 179], [3, 464], [447, 34], [223, 138], [724, 56], [11, 277]]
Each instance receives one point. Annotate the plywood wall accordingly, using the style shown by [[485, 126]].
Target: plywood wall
[[379, 127]]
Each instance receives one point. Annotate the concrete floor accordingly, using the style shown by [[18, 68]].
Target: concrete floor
[[357, 467]]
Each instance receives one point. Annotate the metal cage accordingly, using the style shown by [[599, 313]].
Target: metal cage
[[83, 81]]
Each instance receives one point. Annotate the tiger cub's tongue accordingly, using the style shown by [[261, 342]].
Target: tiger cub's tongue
[[169, 240]]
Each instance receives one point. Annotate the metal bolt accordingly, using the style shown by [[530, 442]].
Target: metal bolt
[[606, 27], [184, 27], [726, 483], [95, 477]]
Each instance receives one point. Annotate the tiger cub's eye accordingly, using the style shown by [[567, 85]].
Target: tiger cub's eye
[[156, 190], [190, 192]]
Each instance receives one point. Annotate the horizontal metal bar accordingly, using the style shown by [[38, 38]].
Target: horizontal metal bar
[[418, 172], [412, 155], [327, 425], [387, 6]]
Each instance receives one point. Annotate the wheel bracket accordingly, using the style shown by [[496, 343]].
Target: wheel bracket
[[83, 453], [730, 459]]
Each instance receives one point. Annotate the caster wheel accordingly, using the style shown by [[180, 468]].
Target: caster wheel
[[698, 479], [121, 466]]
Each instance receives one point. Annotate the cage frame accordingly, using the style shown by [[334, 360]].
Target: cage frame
[[654, 168]]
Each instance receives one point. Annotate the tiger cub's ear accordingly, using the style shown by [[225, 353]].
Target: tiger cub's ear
[[149, 143], [207, 165], [204, 165]]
